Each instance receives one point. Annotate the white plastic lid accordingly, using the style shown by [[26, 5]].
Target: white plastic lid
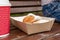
[[5, 3]]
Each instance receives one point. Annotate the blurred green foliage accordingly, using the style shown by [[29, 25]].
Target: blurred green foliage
[[25, 13]]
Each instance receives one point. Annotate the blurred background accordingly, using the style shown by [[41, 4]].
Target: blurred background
[[23, 7]]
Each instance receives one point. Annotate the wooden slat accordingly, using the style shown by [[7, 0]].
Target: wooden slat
[[24, 3], [25, 9], [24, 0]]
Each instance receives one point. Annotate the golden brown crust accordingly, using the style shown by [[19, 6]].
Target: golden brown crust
[[28, 19]]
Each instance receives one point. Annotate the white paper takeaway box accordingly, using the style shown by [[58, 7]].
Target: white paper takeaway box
[[31, 28]]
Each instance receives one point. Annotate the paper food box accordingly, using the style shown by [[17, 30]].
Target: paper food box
[[43, 24]]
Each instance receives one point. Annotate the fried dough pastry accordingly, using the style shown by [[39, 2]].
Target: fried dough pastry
[[28, 19]]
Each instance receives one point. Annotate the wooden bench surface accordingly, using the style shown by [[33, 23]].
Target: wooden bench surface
[[17, 34]]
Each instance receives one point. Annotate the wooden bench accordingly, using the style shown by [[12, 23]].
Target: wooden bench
[[25, 6]]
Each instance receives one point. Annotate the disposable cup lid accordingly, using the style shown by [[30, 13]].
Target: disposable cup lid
[[5, 3]]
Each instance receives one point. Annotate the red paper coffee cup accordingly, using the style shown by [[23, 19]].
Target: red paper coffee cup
[[4, 18]]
